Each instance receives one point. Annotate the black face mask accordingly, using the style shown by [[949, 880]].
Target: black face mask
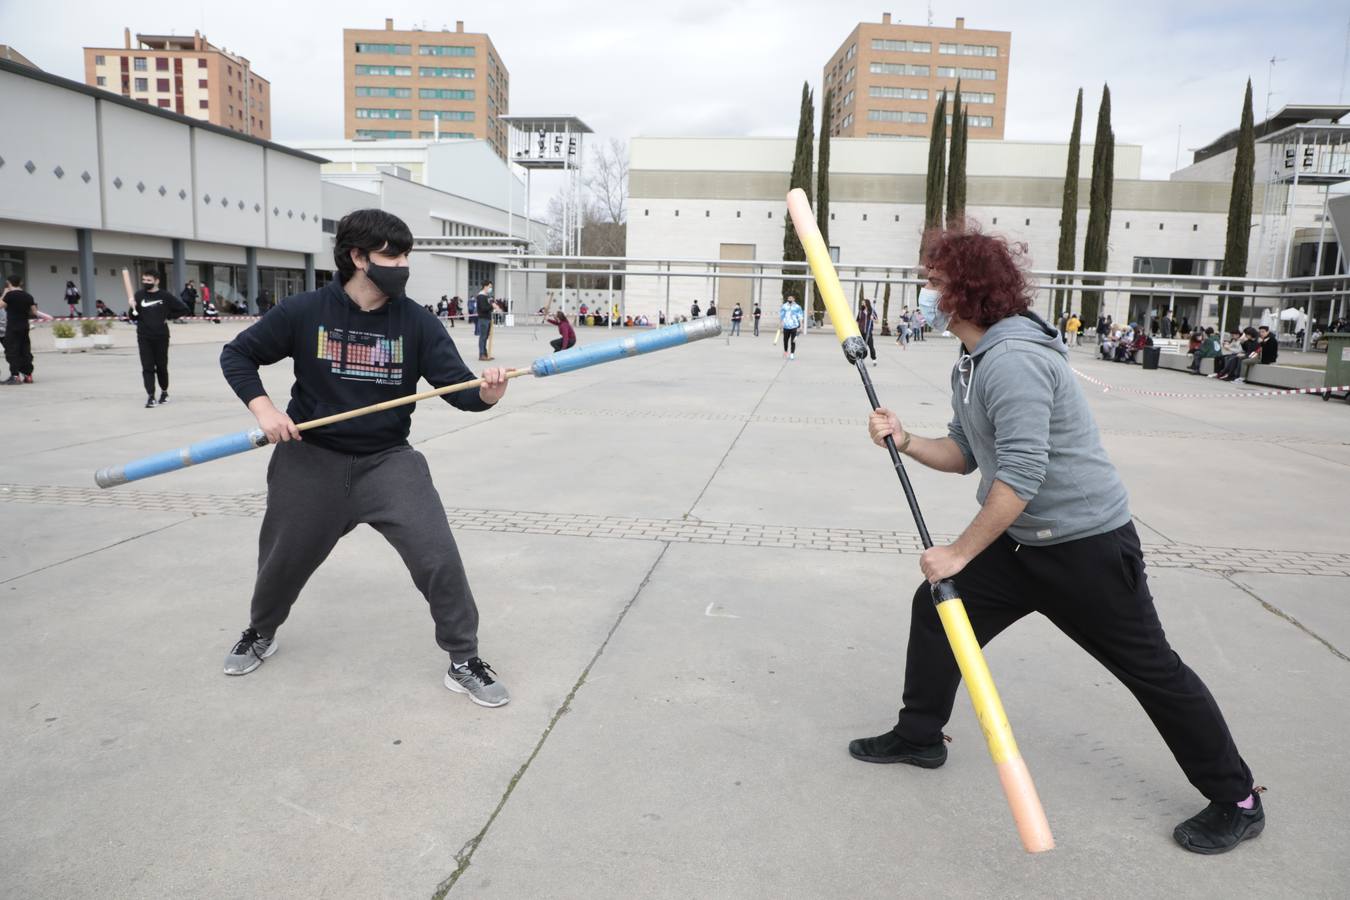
[[149, 286], [390, 280]]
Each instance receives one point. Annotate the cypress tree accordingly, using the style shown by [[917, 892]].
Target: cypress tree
[[801, 178], [937, 146], [1240, 209], [1099, 206], [956, 167], [886, 311], [1068, 216], [823, 193]]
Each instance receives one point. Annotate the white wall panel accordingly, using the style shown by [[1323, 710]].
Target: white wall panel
[[49, 127], [147, 165], [230, 190], [293, 203]]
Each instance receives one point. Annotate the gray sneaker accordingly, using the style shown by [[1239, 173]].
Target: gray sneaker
[[475, 678], [249, 652]]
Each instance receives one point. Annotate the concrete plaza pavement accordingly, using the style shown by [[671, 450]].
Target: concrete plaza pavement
[[694, 572]]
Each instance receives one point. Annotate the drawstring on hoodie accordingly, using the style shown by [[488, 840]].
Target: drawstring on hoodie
[[965, 370]]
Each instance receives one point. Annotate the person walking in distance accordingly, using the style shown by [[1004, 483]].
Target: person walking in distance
[[693, 310], [356, 341], [736, 315], [918, 323], [73, 299], [790, 317], [483, 308], [19, 307], [189, 298], [1040, 543], [151, 310], [758, 312], [867, 320]]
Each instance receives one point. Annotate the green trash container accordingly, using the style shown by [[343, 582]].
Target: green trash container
[[1151, 355], [1338, 363]]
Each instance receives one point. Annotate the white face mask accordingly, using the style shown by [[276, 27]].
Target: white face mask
[[928, 305]]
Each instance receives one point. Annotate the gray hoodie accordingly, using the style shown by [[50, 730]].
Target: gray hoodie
[[1021, 418]]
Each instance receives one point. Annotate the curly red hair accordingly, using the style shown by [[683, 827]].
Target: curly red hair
[[982, 277]]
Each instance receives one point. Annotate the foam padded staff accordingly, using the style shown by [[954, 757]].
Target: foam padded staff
[[1032, 826], [557, 364]]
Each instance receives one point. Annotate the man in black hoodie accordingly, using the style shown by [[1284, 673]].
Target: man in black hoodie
[[151, 310], [359, 340]]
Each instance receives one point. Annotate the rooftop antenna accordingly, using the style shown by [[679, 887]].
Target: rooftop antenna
[[1270, 75]]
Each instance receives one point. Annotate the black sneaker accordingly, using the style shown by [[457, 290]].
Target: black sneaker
[[891, 748], [249, 652], [150, 402], [1220, 827], [13, 379], [163, 397]]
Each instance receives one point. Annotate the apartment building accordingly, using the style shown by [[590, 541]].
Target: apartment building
[[887, 79], [188, 75], [417, 84]]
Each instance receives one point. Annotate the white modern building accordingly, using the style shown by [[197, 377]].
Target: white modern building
[[91, 183], [723, 199]]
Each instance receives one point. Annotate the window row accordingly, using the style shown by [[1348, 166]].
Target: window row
[[852, 52], [433, 72], [445, 94], [967, 50], [848, 121], [403, 71], [969, 96], [974, 74], [373, 133], [898, 93], [383, 113], [895, 115], [445, 135], [902, 46], [900, 69], [362, 91], [977, 121], [447, 115]]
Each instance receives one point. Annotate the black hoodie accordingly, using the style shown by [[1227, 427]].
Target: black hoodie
[[346, 358]]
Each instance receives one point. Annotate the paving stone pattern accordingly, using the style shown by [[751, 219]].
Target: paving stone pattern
[[690, 531]]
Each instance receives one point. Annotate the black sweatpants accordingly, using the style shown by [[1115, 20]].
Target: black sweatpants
[[315, 496], [789, 340], [154, 362], [1095, 591], [19, 352]]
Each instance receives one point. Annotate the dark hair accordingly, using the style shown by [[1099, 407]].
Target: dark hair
[[369, 231], [1249, 331], [486, 282], [1265, 327], [14, 280], [984, 282]]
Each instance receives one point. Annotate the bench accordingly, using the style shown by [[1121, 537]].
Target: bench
[[1182, 363], [1285, 376], [1170, 345]]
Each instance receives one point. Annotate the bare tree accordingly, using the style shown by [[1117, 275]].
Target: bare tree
[[607, 181]]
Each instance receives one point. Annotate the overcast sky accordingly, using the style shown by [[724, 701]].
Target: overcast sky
[[735, 67]]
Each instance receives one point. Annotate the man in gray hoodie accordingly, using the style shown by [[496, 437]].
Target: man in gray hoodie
[[1053, 535]]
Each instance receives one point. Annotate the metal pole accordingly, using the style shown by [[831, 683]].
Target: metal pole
[[609, 299], [667, 293], [1291, 207]]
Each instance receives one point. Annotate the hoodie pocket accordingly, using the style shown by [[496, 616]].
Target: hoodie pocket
[[1040, 528]]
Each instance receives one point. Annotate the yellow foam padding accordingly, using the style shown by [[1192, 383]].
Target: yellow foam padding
[[980, 684], [822, 267]]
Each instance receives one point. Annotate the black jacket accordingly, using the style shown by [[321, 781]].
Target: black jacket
[[153, 310], [344, 358], [1270, 349]]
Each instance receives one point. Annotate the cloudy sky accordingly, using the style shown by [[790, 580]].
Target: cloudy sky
[[734, 67]]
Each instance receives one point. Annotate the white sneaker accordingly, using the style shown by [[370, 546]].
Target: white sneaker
[[1239, 381]]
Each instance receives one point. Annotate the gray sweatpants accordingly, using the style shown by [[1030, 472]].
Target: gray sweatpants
[[315, 496]]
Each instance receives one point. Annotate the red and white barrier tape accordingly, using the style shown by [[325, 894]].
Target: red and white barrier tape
[[124, 320], [1107, 388]]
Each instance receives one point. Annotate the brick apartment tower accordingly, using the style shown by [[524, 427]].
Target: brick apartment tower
[[887, 78], [396, 83], [188, 75]]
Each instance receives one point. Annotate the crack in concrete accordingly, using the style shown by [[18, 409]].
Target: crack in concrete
[[732, 446], [1275, 610], [464, 857]]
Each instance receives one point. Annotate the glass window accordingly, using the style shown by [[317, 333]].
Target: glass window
[[446, 115], [446, 135], [991, 51], [201, 104], [981, 121], [201, 83], [161, 84], [394, 49], [138, 64], [948, 49], [895, 115], [161, 64], [849, 76], [363, 91], [163, 102], [383, 113], [946, 72], [201, 62], [100, 80], [432, 72], [373, 133], [897, 93], [440, 50], [898, 69], [99, 60], [384, 70], [920, 47], [142, 84]]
